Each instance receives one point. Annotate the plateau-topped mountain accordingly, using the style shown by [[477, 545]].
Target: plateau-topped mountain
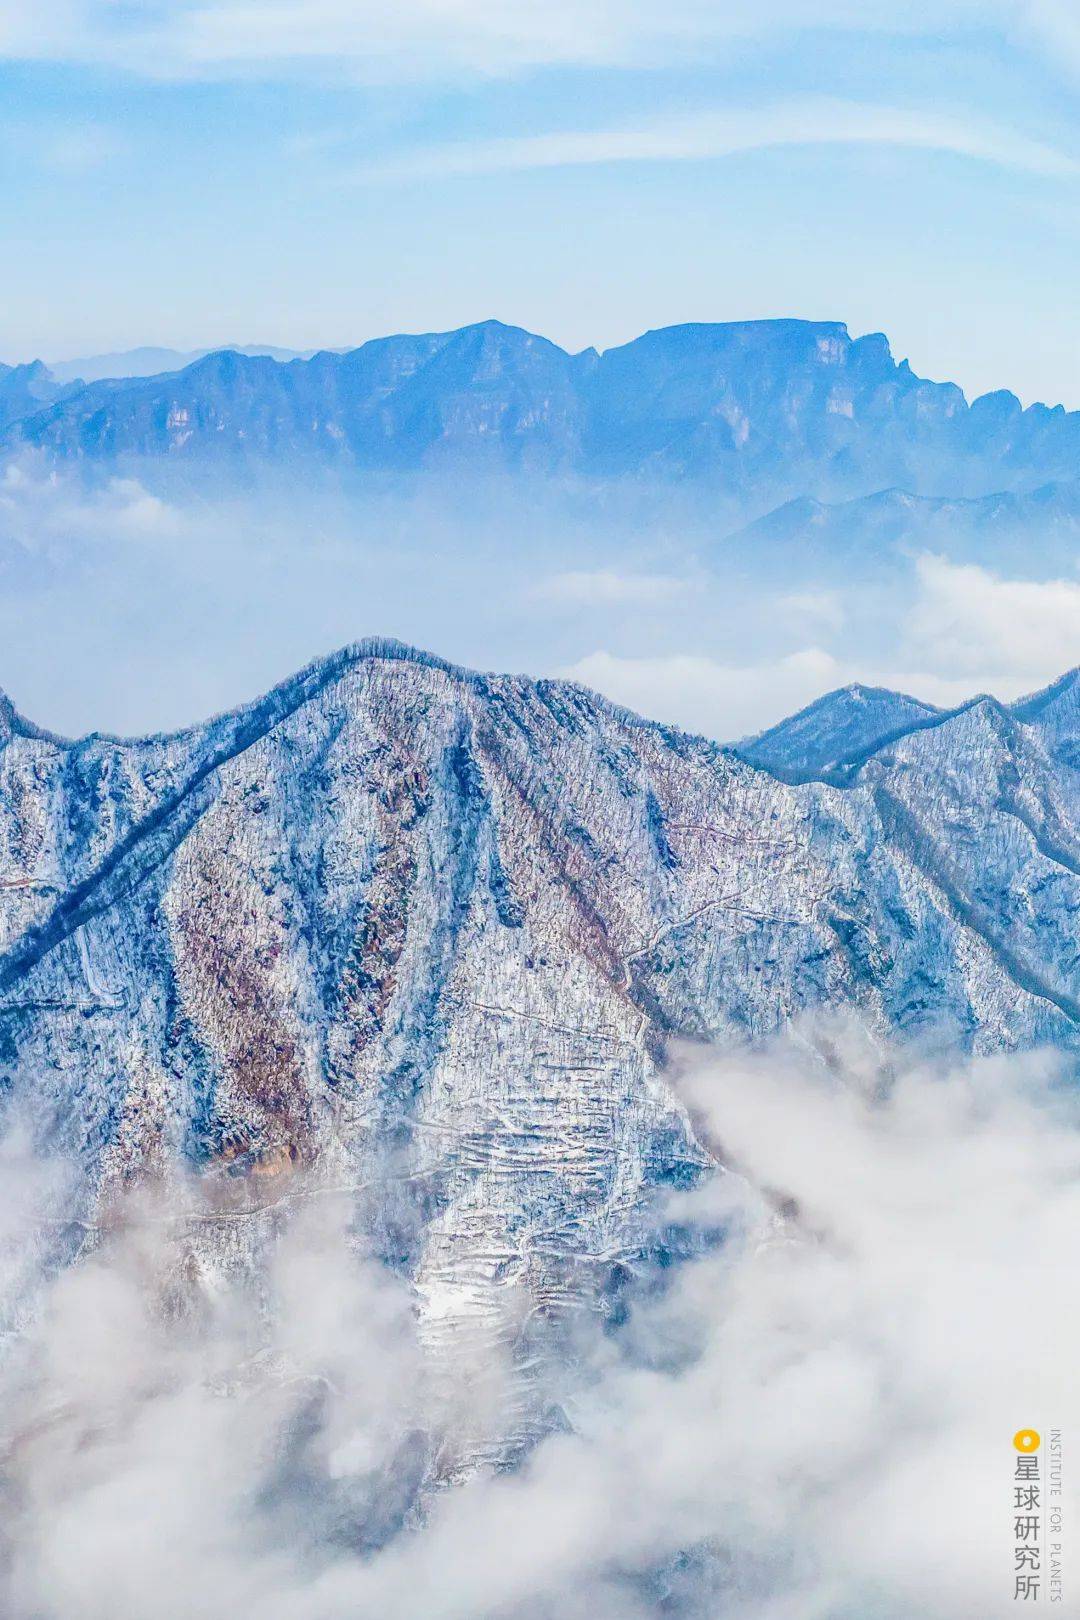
[[430, 933], [764, 410]]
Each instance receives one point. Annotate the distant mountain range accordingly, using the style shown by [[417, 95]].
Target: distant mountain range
[[765, 411], [152, 361], [823, 533]]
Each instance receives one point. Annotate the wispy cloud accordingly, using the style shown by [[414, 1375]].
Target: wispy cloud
[[1054, 27], [711, 135], [606, 587], [445, 40], [962, 630], [822, 609], [64, 148], [705, 694], [431, 38]]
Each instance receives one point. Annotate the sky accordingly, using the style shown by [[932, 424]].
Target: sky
[[315, 173]]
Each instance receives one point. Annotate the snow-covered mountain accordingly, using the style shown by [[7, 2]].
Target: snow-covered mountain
[[431, 933], [832, 739], [822, 740], [766, 411]]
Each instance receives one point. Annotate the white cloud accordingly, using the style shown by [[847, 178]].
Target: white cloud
[[914, 1328], [826, 1400], [432, 37], [704, 695], [605, 587], [699, 136], [729, 701], [821, 608], [1053, 26], [43, 511], [970, 619]]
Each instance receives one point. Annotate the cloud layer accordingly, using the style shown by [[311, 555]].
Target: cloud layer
[[422, 35], [812, 1418], [696, 137]]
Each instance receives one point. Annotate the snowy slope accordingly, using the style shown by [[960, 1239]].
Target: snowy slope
[[431, 933]]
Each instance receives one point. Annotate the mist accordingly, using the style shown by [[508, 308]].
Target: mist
[[147, 600], [798, 1403]]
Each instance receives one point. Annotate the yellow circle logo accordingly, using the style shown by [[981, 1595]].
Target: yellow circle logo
[[1027, 1439]]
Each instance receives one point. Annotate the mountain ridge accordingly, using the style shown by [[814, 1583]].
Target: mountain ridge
[[787, 752], [767, 409], [432, 933], [757, 750]]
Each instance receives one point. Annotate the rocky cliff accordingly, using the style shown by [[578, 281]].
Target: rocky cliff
[[764, 410]]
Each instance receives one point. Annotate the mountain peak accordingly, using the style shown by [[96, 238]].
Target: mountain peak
[[409, 878], [791, 334], [26, 389], [832, 734], [15, 724]]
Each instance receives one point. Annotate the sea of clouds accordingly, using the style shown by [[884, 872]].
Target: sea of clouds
[[810, 1419]]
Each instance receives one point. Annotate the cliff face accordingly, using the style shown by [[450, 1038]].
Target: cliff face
[[429, 933], [765, 410]]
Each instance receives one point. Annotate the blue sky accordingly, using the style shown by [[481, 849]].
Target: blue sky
[[309, 172]]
